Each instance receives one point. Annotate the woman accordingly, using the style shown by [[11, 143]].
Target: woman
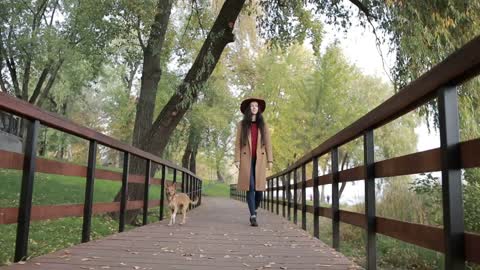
[[253, 153]]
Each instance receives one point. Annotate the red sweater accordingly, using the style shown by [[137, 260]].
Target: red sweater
[[254, 131]]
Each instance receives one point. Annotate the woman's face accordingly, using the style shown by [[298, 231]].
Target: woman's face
[[254, 107]]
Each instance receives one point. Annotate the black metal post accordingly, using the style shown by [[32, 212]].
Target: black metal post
[[289, 196], [200, 198], [269, 195], [183, 183], [87, 207], [146, 191], [26, 192], [174, 175], [162, 192], [335, 201], [278, 195], [370, 199], [316, 223], [284, 196], [295, 187], [189, 187], [124, 191], [272, 204], [453, 218], [304, 197]]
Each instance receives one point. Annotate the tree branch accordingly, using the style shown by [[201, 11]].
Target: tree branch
[[139, 34], [38, 87], [187, 92], [198, 17], [10, 62], [50, 82], [362, 8]]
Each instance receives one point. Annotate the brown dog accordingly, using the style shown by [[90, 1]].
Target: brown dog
[[177, 201]]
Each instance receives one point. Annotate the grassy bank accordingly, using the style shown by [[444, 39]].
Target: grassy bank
[[50, 235]]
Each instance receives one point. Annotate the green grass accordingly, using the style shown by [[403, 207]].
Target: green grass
[[50, 235], [215, 189]]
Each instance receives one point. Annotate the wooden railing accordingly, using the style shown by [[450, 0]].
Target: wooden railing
[[439, 83], [29, 164]]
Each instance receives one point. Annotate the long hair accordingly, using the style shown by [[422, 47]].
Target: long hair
[[247, 122]]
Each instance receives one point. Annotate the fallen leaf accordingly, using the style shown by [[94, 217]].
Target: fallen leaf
[[105, 267], [136, 267], [21, 262], [247, 265], [85, 259]]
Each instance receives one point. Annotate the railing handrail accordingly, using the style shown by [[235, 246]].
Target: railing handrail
[[460, 66], [24, 109]]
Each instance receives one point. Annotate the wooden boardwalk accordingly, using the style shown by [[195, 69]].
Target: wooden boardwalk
[[217, 236]]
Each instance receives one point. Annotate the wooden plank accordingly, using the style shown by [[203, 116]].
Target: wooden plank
[[472, 246], [11, 160], [469, 153], [421, 235], [352, 174], [216, 236], [426, 161], [353, 218], [9, 215]]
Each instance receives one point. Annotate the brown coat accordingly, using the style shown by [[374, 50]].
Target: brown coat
[[243, 154]]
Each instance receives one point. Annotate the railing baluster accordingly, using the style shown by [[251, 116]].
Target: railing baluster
[[289, 196], [87, 208], [269, 203], [162, 192], [316, 209], [278, 195], [183, 183], [370, 199], [146, 191], [304, 197], [453, 218], [295, 204], [284, 196], [124, 191], [335, 201], [25, 204]]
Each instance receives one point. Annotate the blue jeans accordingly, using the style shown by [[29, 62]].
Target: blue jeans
[[253, 197]]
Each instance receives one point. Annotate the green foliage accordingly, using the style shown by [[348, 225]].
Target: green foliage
[[304, 92]]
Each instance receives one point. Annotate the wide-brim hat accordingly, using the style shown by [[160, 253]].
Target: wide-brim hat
[[246, 103]]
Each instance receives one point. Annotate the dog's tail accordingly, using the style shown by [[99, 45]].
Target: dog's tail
[[195, 202]]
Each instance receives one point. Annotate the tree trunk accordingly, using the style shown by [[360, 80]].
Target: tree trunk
[[151, 75], [193, 160], [156, 139], [219, 36], [220, 177], [344, 184]]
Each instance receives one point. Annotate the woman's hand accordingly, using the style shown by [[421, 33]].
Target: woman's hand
[[270, 165], [237, 164]]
